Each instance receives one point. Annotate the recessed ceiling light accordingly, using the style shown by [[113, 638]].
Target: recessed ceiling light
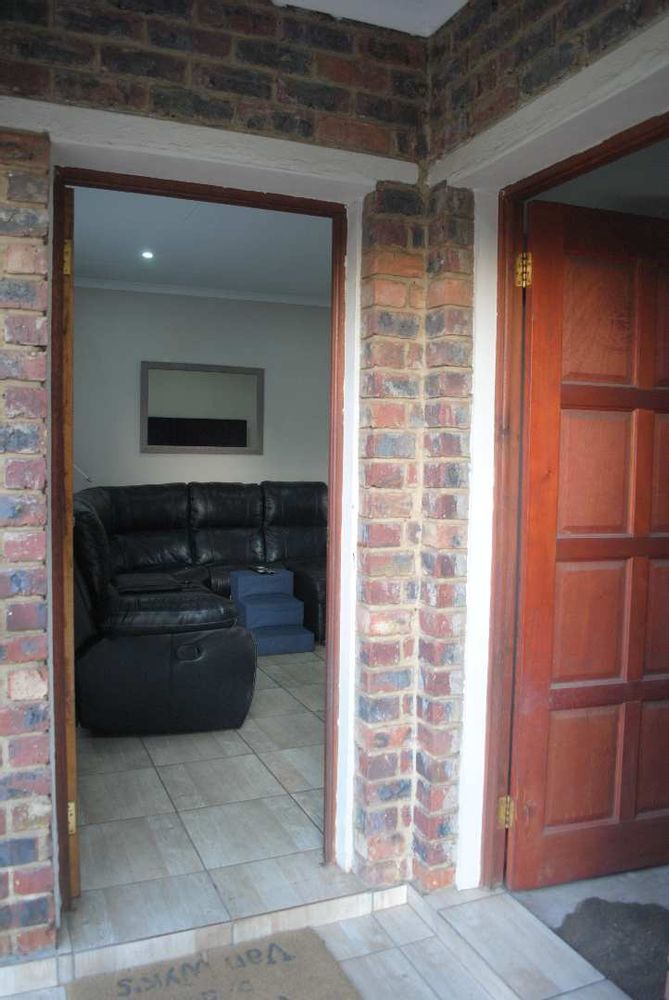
[[147, 254]]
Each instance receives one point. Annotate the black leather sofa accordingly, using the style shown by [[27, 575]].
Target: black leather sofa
[[158, 647]]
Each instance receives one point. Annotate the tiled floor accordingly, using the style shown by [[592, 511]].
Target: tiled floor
[[185, 831], [450, 946]]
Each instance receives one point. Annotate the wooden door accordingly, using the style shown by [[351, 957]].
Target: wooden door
[[590, 754], [62, 554]]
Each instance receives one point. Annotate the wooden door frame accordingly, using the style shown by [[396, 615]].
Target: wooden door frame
[[509, 429], [61, 503]]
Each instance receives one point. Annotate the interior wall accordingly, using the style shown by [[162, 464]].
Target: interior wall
[[116, 330]]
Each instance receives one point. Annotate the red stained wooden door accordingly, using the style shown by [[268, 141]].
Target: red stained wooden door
[[590, 759]]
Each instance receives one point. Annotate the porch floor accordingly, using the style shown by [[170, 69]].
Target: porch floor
[[474, 945]]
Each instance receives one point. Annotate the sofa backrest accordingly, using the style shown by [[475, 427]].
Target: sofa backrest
[[121, 529], [148, 526], [295, 522], [226, 523], [91, 541]]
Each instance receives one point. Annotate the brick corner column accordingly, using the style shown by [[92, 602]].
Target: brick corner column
[[27, 915], [445, 503], [393, 296]]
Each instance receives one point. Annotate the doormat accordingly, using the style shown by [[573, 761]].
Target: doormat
[[290, 966], [627, 942]]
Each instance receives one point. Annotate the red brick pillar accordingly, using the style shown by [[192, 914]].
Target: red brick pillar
[[445, 451], [26, 873], [393, 295]]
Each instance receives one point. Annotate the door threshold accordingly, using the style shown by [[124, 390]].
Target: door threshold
[[64, 965]]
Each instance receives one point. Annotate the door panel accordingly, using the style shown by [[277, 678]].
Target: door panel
[[592, 672]]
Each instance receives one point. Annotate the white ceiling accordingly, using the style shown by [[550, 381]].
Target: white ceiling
[[200, 248], [416, 17], [637, 184]]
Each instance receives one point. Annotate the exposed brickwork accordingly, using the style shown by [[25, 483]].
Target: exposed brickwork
[[416, 384], [26, 873], [493, 56], [393, 298], [445, 468], [250, 67]]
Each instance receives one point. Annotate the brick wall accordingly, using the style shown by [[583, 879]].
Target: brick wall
[[26, 874], [253, 67], [494, 56], [444, 511], [249, 67], [416, 384], [393, 299]]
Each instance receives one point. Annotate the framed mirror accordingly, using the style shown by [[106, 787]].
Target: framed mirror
[[213, 409]]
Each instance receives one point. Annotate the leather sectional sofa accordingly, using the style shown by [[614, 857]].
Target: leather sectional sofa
[[158, 645]]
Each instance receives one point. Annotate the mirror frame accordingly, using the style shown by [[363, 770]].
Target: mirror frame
[[165, 449]]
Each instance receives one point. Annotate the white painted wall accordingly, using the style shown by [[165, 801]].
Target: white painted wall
[[116, 330]]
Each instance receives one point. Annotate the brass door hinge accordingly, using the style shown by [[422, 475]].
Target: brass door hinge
[[524, 269], [71, 818], [506, 812], [67, 257]]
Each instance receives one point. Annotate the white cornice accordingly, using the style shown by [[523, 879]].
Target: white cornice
[[414, 17], [199, 293]]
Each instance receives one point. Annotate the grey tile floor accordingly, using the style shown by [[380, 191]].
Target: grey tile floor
[[185, 831]]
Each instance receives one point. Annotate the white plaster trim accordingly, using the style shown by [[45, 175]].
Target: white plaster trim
[[199, 292], [571, 117], [349, 538], [624, 88], [479, 556], [109, 140]]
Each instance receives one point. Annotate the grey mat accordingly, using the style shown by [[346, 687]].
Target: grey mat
[[627, 942]]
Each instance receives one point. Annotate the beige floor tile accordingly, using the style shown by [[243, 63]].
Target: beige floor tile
[[441, 899], [122, 795], [277, 883], [603, 990], [552, 904], [290, 674], [135, 850], [201, 783], [273, 701], [310, 695], [449, 979], [386, 975], [352, 938], [104, 754], [248, 831], [313, 804], [403, 925], [282, 732], [50, 993], [130, 912], [532, 960], [298, 769], [194, 746], [264, 681]]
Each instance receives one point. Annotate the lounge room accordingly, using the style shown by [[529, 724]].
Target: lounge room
[[201, 370]]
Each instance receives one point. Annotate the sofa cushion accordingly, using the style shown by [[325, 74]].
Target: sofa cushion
[[149, 527], [226, 523], [91, 550], [310, 574], [165, 611], [296, 517]]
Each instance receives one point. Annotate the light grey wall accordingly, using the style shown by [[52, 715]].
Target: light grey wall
[[116, 330]]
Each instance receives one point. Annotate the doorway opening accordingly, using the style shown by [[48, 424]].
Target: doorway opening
[[170, 300], [603, 372]]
